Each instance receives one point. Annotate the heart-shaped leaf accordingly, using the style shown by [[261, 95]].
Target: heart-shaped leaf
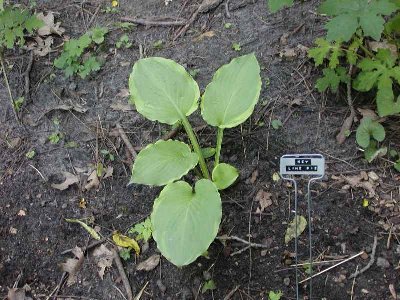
[[185, 222], [162, 90], [234, 91], [369, 128], [163, 162], [224, 175]]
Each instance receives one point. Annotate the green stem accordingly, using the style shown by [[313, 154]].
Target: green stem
[[366, 51], [196, 147], [8, 85], [220, 135]]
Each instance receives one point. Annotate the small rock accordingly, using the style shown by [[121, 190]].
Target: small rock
[[286, 281], [161, 286], [364, 255], [373, 176], [64, 206], [382, 263]]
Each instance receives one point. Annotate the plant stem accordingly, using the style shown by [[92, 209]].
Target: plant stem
[[366, 51], [220, 135], [8, 85], [196, 147]]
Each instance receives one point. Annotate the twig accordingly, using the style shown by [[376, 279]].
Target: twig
[[128, 144], [238, 239], [332, 267], [41, 175], [27, 79], [8, 86], [231, 293], [155, 22], [92, 245], [371, 261], [341, 137], [122, 273], [227, 13], [352, 286], [94, 15], [138, 296]]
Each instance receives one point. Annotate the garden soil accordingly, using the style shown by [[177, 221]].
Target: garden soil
[[33, 230]]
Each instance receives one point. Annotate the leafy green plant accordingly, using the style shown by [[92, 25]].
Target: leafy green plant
[[276, 124], [275, 295], [275, 5], [186, 220], [368, 134], [123, 42], [107, 154], [30, 154], [158, 44], [125, 253], [55, 137], [143, 230], [209, 285], [236, 46], [76, 57]]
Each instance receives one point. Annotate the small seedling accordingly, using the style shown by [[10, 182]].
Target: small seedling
[[18, 103], [194, 72], [123, 42], [30, 154], [368, 134], [76, 57], [276, 124], [125, 253], [158, 45], [236, 46], [143, 230], [55, 137], [228, 25], [107, 154], [208, 286], [275, 295], [163, 91]]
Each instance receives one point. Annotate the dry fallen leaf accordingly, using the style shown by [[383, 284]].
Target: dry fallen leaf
[[42, 47], [75, 107], [121, 107], [368, 113], [109, 172], [72, 265], [291, 232], [49, 26], [104, 258], [149, 264], [93, 181], [288, 53], [207, 34], [70, 179], [375, 46], [17, 294], [123, 93], [264, 198]]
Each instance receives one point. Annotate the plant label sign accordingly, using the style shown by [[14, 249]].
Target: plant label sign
[[302, 164]]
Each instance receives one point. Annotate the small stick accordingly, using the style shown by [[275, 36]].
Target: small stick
[[122, 273], [41, 175], [92, 245], [26, 75], [128, 144], [154, 22], [231, 293], [8, 86], [371, 261], [183, 30], [94, 15], [330, 268], [227, 13], [238, 239], [352, 287]]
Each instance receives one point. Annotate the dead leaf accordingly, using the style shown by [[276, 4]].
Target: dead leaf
[[123, 93], [254, 176], [70, 179], [49, 26], [109, 172], [126, 242], [346, 127], [288, 53], [72, 265], [121, 107], [75, 107], [207, 34], [17, 294], [291, 230], [296, 101], [41, 47], [92, 181], [104, 258], [14, 142], [149, 264], [284, 38], [264, 198], [375, 46], [368, 113]]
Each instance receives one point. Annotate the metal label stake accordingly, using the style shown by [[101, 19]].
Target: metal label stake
[[306, 165]]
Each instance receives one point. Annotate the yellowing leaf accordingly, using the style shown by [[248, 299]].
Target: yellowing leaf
[[365, 203], [126, 242], [89, 229], [291, 230], [276, 177]]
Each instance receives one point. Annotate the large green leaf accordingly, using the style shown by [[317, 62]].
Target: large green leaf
[[231, 96], [162, 90], [275, 5], [369, 128], [185, 222], [224, 175], [163, 162]]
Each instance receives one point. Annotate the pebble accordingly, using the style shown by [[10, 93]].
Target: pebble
[[286, 281], [382, 262], [64, 206], [161, 286]]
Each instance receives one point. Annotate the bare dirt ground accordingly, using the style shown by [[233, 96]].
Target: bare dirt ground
[[32, 242]]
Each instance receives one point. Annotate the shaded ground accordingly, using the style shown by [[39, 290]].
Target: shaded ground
[[342, 227]]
